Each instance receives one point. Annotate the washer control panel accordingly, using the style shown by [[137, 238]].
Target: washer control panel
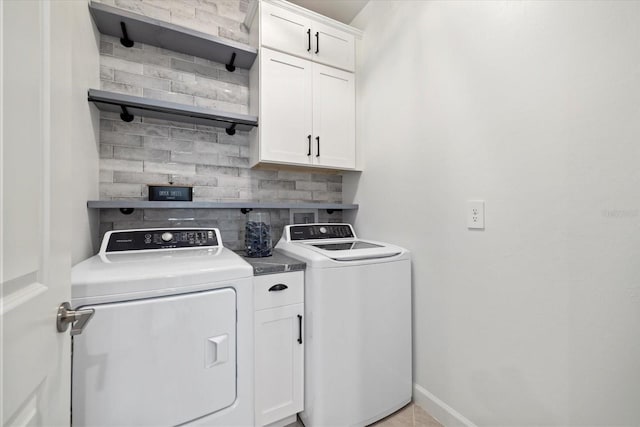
[[320, 231], [137, 240]]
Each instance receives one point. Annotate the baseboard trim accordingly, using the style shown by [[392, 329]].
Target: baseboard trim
[[439, 410]]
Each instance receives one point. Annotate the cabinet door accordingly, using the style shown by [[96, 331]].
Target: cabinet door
[[279, 362], [333, 117], [333, 47], [285, 31], [285, 113]]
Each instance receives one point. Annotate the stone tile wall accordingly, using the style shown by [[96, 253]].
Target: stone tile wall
[[150, 151]]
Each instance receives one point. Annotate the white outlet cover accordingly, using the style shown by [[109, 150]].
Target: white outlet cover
[[475, 214]]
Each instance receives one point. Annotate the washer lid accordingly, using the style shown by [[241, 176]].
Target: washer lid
[[353, 250], [133, 275], [334, 241]]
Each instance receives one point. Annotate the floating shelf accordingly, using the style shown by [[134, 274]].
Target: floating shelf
[[140, 28], [143, 204], [135, 105]]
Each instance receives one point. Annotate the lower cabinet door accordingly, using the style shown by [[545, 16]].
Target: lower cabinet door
[[279, 349]]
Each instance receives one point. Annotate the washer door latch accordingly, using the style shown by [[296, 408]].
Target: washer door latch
[[78, 319]]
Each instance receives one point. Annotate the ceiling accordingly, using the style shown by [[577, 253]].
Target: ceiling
[[340, 10]]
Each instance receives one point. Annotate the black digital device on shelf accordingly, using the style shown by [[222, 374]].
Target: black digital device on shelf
[[166, 193]]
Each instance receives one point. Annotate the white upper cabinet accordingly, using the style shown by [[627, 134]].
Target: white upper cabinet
[[333, 47], [316, 38], [285, 114], [307, 113], [285, 30], [334, 117], [303, 88]]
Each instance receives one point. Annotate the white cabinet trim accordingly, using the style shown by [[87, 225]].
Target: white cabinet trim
[[253, 8]]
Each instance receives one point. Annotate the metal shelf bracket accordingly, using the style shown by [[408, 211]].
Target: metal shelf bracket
[[230, 67], [125, 40]]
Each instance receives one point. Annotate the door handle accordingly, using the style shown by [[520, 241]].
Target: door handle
[[318, 151], [309, 39], [299, 329], [278, 287], [317, 42], [78, 319], [309, 150]]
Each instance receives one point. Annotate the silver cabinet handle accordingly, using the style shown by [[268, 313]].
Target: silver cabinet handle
[[78, 319]]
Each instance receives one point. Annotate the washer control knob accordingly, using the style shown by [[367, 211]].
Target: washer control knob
[[323, 230], [167, 237]]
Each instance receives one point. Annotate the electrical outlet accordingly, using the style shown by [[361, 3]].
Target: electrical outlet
[[475, 214]]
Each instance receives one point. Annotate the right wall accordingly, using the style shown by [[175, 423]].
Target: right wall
[[533, 107]]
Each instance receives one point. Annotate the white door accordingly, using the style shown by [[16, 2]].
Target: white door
[[285, 31], [35, 259], [334, 117], [285, 111], [279, 367], [333, 47]]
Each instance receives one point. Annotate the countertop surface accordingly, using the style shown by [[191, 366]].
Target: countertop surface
[[276, 263]]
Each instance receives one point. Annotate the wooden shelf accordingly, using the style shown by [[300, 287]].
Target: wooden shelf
[[137, 106], [143, 204], [154, 32]]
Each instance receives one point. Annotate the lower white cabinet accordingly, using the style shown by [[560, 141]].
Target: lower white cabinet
[[279, 346]]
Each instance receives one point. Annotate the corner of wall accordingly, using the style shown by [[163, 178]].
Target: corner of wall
[[442, 412], [84, 135]]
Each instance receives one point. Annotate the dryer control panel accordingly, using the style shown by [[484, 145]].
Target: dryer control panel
[[320, 231], [171, 238]]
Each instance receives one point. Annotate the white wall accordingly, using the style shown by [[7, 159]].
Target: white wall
[[535, 108], [85, 59]]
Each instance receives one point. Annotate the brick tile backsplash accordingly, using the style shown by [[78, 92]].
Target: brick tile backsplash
[[140, 178], [152, 151], [121, 165]]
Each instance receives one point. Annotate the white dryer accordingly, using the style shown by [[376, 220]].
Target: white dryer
[[358, 324], [171, 339]]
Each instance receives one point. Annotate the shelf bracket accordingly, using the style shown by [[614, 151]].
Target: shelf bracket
[[245, 210], [126, 211], [125, 40], [230, 67], [231, 130], [125, 116]]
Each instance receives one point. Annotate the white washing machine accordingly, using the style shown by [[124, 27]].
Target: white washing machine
[[171, 338], [358, 324]]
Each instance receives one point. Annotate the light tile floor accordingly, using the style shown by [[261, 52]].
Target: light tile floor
[[410, 416]]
